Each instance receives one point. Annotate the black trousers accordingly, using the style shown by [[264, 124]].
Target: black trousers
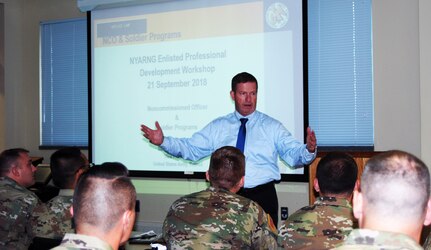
[[266, 196]]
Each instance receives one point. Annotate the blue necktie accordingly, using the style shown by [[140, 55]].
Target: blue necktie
[[241, 135]]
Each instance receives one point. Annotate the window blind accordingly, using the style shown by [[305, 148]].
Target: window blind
[[64, 91], [340, 72]]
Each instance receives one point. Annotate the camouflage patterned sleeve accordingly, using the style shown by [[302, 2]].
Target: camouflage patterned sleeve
[[264, 233], [39, 225], [55, 220], [16, 231]]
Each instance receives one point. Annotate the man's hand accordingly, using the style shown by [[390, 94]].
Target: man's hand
[[311, 140], [154, 136]]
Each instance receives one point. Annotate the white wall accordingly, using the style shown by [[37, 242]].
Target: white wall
[[22, 18], [401, 73], [425, 78]]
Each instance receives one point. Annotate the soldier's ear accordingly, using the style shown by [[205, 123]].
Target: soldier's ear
[[71, 210], [241, 182], [207, 176], [358, 204], [357, 185], [127, 222], [316, 185], [427, 220]]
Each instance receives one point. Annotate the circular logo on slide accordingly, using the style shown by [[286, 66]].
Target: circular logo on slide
[[277, 15]]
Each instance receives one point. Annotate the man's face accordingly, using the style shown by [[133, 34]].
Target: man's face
[[245, 97], [26, 170]]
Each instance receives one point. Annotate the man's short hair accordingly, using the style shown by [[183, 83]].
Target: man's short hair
[[337, 173], [102, 195], [116, 168], [8, 158], [227, 167], [396, 184], [242, 78], [64, 164]]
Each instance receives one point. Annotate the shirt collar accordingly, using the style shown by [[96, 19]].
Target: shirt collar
[[250, 116], [66, 192], [334, 201], [90, 241]]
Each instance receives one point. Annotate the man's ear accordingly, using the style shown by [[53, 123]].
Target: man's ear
[[232, 95], [238, 185], [71, 210], [357, 185], [427, 220], [15, 170], [316, 185], [127, 222], [358, 203], [207, 175], [128, 218], [241, 182]]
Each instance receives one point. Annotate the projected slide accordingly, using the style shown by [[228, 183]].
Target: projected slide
[[173, 62]]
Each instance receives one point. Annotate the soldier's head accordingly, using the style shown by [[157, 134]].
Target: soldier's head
[[227, 169], [394, 194], [336, 175], [104, 203], [16, 164], [67, 164]]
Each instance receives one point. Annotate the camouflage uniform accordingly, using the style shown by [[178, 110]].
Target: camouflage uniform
[[320, 226], [57, 221], [218, 219], [370, 239], [17, 219], [79, 241]]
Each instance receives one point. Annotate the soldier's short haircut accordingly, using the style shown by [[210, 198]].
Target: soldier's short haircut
[[396, 184], [242, 78], [8, 158], [102, 195], [227, 167], [64, 164], [337, 173]]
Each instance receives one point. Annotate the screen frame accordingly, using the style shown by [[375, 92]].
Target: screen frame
[[304, 177]]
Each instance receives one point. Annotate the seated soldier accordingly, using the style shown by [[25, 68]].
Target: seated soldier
[[330, 219], [218, 218], [67, 164], [18, 205], [103, 209], [393, 203]]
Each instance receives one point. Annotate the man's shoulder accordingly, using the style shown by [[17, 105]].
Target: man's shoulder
[[265, 119], [318, 225], [11, 191], [231, 117], [56, 219], [366, 238], [60, 202], [321, 213], [211, 195], [199, 217], [211, 204], [302, 212]]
